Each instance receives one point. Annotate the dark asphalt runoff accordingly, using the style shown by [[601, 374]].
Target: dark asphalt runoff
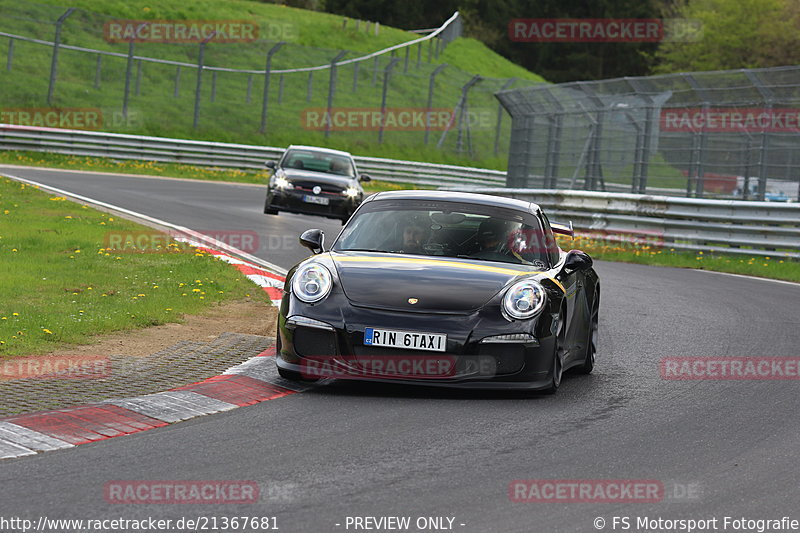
[[719, 448]]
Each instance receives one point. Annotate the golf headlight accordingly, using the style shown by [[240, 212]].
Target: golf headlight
[[524, 299], [352, 192], [311, 283], [282, 183]]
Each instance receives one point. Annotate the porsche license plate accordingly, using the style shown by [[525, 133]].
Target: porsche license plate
[[412, 340], [321, 200]]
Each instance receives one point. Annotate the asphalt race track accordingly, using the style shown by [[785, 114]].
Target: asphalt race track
[[720, 448]]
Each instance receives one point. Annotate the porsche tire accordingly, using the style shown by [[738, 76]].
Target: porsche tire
[[558, 357], [592, 336]]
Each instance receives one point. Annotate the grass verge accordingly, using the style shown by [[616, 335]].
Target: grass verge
[[61, 285], [763, 267]]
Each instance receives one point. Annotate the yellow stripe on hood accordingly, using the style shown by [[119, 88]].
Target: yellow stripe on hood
[[456, 264]]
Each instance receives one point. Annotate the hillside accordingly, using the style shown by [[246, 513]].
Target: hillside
[[162, 96]]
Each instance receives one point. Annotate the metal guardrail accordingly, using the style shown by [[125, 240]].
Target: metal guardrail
[[225, 155], [754, 228], [730, 226]]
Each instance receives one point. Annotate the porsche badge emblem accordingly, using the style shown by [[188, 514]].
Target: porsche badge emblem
[[412, 301], [317, 189]]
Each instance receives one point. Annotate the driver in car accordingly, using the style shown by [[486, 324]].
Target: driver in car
[[415, 235]]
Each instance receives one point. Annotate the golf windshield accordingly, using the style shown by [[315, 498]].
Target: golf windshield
[[447, 229], [329, 163]]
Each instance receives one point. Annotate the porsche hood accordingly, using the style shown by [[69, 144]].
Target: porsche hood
[[414, 283]]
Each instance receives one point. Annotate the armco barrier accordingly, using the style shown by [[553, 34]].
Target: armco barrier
[[750, 228], [754, 228], [226, 155]]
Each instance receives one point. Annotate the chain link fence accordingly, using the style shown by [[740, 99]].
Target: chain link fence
[[268, 90], [727, 134]]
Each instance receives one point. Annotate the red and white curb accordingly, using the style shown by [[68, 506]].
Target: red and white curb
[[271, 283], [256, 380]]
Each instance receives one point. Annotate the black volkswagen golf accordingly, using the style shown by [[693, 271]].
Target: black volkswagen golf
[[441, 288], [315, 181]]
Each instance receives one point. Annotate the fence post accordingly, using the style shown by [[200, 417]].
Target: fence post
[[280, 89], [331, 91], [355, 76], [128, 68], [213, 85], [248, 98], [375, 62], [98, 70], [199, 85], [505, 86], [138, 76], [460, 110], [431, 83], [265, 97], [405, 61], [10, 59], [463, 120], [553, 148], [54, 61], [177, 91], [386, 74], [419, 54], [310, 85]]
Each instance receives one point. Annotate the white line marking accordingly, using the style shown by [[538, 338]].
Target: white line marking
[[145, 176], [749, 277]]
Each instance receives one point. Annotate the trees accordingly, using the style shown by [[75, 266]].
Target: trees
[[735, 34]]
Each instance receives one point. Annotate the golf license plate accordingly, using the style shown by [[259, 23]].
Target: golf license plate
[[321, 200], [411, 340]]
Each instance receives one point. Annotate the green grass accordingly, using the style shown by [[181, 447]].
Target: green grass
[[764, 267], [61, 285], [231, 117]]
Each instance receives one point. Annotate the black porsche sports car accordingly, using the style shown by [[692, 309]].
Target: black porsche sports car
[[441, 288], [315, 181]]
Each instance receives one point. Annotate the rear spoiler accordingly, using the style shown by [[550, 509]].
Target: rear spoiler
[[563, 229]]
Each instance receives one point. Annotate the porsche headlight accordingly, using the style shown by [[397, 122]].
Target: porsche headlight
[[311, 283], [352, 192], [524, 299], [282, 183]]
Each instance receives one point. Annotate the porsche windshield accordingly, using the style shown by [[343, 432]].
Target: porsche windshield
[[458, 230]]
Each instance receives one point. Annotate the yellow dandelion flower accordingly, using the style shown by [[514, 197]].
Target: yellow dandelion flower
[[47, 331]]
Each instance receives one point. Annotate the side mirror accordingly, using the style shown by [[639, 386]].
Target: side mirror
[[271, 165], [364, 178], [577, 260], [313, 239]]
